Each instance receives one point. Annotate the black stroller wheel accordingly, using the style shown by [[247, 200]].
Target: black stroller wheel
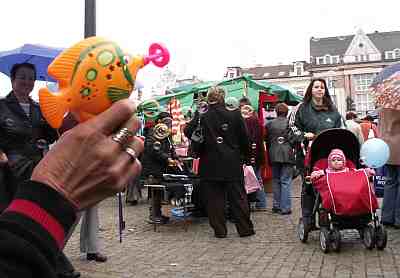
[[369, 237], [335, 239], [302, 232], [324, 240], [381, 237]]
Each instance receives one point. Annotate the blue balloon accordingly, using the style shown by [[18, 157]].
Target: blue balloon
[[374, 153]]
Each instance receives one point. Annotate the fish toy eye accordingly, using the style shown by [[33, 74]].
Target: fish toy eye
[[105, 58], [127, 59]]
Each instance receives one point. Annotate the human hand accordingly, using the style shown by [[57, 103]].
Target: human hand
[[370, 172], [3, 158], [309, 135], [86, 165], [317, 174]]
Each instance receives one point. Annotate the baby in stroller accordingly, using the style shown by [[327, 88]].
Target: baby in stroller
[[336, 164], [344, 196]]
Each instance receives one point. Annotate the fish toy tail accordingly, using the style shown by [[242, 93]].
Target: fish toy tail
[[53, 107]]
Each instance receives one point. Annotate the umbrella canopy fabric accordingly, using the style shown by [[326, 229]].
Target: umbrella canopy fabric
[[386, 87], [39, 55]]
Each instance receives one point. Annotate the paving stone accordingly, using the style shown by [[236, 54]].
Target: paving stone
[[274, 251]]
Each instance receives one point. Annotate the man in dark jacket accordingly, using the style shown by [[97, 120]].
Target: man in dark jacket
[[226, 144], [158, 155], [282, 159]]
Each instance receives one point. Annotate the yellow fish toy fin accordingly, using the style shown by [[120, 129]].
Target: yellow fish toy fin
[[64, 66], [53, 107]]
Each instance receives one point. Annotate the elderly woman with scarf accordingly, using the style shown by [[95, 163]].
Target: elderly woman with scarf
[[257, 151]]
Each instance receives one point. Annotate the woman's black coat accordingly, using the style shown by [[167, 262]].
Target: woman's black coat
[[221, 161]]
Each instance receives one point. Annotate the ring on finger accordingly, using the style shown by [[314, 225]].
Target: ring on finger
[[122, 136], [132, 153]]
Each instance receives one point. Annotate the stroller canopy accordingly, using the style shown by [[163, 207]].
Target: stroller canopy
[[335, 138]]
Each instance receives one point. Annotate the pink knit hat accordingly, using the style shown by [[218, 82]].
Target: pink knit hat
[[336, 153]]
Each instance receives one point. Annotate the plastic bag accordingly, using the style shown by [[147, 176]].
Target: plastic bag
[[251, 182]]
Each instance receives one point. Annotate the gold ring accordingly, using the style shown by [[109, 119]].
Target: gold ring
[[122, 136], [132, 153]]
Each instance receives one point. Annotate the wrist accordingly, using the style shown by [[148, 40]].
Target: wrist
[[46, 208]]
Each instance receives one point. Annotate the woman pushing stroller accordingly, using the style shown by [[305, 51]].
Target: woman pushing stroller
[[315, 114]]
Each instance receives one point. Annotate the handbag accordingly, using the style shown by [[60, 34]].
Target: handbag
[[251, 182], [380, 180], [196, 141]]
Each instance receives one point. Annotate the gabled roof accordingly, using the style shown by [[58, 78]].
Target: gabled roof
[[279, 71], [338, 45], [332, 45], [272, 72], [386, 40]]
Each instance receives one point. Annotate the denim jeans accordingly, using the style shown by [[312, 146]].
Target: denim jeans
[[282, 186], [260, 194], [391, 196]]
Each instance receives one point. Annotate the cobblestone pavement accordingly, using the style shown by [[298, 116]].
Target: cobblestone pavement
[[274, 251]]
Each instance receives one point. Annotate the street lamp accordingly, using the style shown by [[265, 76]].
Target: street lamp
[[90, 18]]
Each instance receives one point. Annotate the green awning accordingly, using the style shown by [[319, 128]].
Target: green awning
[[237, 87]]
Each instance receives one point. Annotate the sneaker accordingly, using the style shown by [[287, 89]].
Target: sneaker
[[98, 257], [133, 203], [260, 209], [396, 226], [69, 274], [220, 236], [276, 210], [286, 212], [250, 233], [159, 220]]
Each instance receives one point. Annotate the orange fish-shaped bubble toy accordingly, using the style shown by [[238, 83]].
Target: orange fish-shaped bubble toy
[[92, 75]]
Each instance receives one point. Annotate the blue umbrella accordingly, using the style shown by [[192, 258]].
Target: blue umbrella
[[39, 55]]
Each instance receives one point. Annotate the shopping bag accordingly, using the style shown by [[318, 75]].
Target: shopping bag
[[251, 182]]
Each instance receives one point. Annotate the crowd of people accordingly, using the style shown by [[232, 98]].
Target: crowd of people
[[44, 191]]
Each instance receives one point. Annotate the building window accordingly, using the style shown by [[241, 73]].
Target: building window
[[331, 83], [298, 69], [361, 58], [231, 75], [320, 60], [281, 73], [396, 53], [266, 74], [327, 59], [335, 59], [363, 99], [389, 55]]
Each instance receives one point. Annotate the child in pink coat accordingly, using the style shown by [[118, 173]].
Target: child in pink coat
[[336, 164]]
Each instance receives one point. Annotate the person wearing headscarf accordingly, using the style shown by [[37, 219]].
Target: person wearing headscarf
[[257, 151]]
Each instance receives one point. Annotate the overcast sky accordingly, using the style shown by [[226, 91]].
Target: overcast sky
[[204, 37]]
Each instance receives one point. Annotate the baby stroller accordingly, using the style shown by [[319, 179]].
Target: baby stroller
[[344, 200]]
